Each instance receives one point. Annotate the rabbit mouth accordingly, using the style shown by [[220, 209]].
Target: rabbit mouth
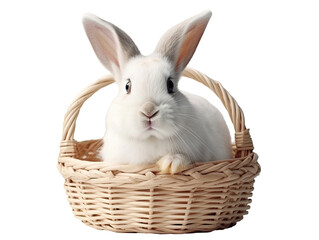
[[150, 125], [149, 122], [151, 129]]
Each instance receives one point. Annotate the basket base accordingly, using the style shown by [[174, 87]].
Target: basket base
[[176, 229]]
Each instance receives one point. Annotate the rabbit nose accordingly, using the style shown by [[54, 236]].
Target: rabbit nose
[[149, 109]]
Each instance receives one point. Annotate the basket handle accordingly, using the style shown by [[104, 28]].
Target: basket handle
[[243, 142]]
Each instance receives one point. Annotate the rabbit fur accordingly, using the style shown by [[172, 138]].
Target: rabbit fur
[[151, 120]]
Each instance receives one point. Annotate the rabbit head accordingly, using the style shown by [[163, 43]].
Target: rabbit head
[[148, 95]]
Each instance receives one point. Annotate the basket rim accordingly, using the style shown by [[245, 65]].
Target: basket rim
[[229, 173], [152, 167], [76, 168]]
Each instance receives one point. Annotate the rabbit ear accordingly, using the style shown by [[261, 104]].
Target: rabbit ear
[[180, 42], [111, 45]]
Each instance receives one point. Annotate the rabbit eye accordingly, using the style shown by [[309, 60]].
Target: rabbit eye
[[170, 85], [128, 86]]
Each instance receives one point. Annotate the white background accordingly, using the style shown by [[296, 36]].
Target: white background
[[266, 53]]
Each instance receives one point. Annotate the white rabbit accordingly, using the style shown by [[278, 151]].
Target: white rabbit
[[150, 120]]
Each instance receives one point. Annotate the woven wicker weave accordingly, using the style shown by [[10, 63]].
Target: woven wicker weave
[[205, 197]]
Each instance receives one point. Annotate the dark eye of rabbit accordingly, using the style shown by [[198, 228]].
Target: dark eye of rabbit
[[170, 86], [128, 86]]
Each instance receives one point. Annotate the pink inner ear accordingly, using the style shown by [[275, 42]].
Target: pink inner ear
[[189, 44], [108, 46]]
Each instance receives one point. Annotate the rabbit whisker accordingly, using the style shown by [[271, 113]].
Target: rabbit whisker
[[184, 148], [197, 137], [186, 116]]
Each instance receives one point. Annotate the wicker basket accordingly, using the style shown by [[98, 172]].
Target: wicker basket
[[205, 197]]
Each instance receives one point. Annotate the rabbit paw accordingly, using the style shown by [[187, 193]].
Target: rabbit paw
[[173, 163]]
